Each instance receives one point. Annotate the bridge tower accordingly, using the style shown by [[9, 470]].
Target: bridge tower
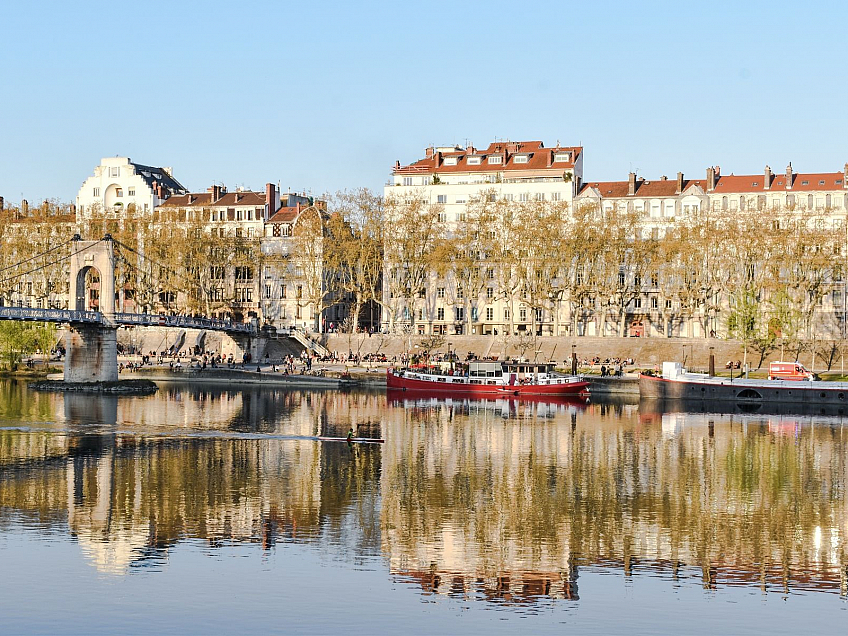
[[92, 350]]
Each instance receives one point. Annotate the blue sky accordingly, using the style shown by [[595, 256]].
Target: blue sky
[[325, 96]]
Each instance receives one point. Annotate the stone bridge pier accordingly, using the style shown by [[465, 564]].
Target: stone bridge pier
[[92, 350]]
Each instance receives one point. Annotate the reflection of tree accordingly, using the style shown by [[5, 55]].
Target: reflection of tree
[[463, 499], [493, 497]]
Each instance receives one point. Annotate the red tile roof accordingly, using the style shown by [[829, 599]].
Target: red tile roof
[[230, 199], [540, 158], [661, 188], [801, 182], [284, 215]]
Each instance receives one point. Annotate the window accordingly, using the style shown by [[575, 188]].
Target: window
[[442, 198], [282, 291], [440, 292], [114, 172], [451, 161], [300, 291], [460, 293], [561, 156], [555, 196], [655, 303], [119, 192], [490, 292], [524, 197], [96, 192], [495, 159], [459, 312], [490, 272], [442, 217], [131, 192], [637, 303], [474, 161], [668, 304], [539, 315], [490, 314], [407, 181], [506, 313], [440, 313], [244, 273], [522, 314], [509, 197], [267, 291], [521, 159], [539, 196]]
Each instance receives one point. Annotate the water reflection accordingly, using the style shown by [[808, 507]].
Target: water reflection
[[494, 501]]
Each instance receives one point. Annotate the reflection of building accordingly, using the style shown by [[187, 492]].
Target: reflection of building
[[702, 497]]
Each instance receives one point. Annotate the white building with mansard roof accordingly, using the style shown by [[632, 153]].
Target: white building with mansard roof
[[118, 183]]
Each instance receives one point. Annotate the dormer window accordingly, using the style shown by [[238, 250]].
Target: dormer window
[[805, 183], [475, 161], [495, 159], [451, 161], [561, 156], [821, 182], [521, 159]]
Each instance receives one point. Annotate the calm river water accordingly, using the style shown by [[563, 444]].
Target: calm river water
[[209, 510]]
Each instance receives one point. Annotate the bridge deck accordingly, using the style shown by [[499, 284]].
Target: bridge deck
[[145, 320]]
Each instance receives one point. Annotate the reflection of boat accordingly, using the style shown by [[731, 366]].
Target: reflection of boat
[[678, 384], [486, 378], [508, 406], [649, 408]]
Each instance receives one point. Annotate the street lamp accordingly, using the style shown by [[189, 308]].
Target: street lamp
[[573, 358], [712, 362]]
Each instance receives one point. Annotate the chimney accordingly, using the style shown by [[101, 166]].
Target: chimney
[[24, 207], [397, 164], [767, 180], [1, 203], [73, 208], [550, 158], [470, 149], [437, 156], [845, 178], [679, 188], [216, 192], [711, 180], [789, 176], [190, 199], [297, 208], [428, 152], [271, 200], [631, 184]]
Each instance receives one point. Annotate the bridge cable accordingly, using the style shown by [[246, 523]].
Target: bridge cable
[[32, 258], [46, 265], [153, 261]]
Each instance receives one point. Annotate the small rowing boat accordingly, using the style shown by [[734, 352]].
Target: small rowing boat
[[353, 440]]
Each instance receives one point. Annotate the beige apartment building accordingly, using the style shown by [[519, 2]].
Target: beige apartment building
[[454, 178], [821, 198]]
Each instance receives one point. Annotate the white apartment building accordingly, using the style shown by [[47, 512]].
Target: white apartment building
[[453, 177], [118, 183]]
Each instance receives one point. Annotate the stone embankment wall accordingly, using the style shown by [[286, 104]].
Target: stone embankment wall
[[646, 352]]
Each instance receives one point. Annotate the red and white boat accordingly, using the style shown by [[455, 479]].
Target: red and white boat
[[487, 378]]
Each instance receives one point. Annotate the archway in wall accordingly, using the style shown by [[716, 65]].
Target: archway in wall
[[88, 289]]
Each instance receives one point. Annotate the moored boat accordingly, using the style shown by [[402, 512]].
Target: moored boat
[[676, 383], [486, 378]]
